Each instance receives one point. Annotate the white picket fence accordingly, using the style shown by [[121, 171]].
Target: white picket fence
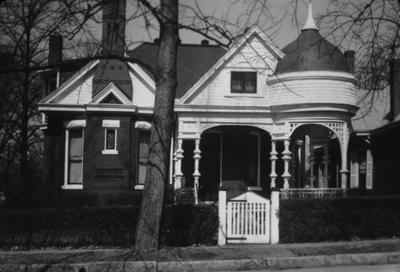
[[248, 218]]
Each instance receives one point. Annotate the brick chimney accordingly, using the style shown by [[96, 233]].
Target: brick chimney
[[55, 49], [205, 43], [349, 55], [113, 27], [394, 82]]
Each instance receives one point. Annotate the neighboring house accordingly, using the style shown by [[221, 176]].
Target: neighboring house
[[384, 138], [250, 118]]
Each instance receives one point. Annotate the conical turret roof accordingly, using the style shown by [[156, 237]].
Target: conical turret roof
[[311, 52]]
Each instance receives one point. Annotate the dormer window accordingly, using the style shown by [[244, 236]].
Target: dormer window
[[244, 82]]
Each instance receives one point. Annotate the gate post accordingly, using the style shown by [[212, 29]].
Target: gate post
[[222, 217], [274, 216]]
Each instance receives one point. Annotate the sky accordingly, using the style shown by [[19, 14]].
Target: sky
[[281, 35]]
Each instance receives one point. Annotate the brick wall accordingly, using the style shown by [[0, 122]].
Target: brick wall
[[105, 170], [104, 175]]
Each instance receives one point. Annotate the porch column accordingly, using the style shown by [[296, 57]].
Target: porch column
[[178, 156], [286, 158], [311, 161], [325, 161], [273, 157], [196, 173], [344, 146]]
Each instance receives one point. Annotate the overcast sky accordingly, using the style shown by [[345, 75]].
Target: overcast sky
[[284, 11], [287, 31]]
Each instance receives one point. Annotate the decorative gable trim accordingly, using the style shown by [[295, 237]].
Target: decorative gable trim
[[65, 86], [111, 88], [144, 76], [255, 31]]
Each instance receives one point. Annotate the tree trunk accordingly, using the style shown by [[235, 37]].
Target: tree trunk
[[148, 225]]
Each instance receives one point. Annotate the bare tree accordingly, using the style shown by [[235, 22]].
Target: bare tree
[[25, 27], [37, 19], [222, 32], [373, 29]]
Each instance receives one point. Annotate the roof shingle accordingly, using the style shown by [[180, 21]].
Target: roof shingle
[[193, 61]]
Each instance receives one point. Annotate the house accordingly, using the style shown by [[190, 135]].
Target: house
[[251, 118], [384, 137]]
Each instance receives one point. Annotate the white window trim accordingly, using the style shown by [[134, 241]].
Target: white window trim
[[72, 186], [70, 125], [139, 187], [108, 125], [247, 95]]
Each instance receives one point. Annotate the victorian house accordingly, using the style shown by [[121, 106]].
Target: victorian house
[[248, 118]]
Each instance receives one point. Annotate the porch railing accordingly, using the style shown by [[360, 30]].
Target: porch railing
[[297, 193]]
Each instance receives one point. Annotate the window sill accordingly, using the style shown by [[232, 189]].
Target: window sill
[[139, 187], [72, 187], [238, 95], [109, 152], [254, 188]]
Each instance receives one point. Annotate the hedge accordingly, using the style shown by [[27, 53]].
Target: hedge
[[317, 220], [106, 226]]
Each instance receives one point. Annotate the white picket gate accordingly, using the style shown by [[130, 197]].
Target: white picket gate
[[247, 218]]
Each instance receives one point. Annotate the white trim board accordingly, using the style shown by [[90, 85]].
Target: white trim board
[[138, 71], [59, 91], [111, 88]]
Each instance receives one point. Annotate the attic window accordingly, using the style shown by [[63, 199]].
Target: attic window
[[243, 82]]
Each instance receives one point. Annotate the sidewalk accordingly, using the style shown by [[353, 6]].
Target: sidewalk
[[203, 258]]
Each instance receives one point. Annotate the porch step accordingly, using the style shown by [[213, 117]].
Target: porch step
[[185, 196]]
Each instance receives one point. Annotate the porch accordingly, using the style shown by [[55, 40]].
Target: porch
[[240, 158]]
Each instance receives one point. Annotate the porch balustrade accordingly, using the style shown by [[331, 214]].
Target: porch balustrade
[[301, 193]]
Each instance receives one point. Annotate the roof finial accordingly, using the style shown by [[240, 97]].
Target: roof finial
[[310, 23]]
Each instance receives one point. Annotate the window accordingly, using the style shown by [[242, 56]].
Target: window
[[51, 85], [74, 142], [110, 139], [243, 82], [75, 156], [110, 136], [143, 155]]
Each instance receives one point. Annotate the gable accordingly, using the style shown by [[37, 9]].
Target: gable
[[143, 91], [111, 93], [115, 71], [110, 99], [80, 92], [253, 55], [74, 90]]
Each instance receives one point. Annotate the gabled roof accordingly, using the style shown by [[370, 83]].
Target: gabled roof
[[195, 64], [193, 61], [253, 32]]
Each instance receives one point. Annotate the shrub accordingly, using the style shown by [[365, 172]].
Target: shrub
[[185, 225], [99, 226], [315, 220], [182, 225]]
